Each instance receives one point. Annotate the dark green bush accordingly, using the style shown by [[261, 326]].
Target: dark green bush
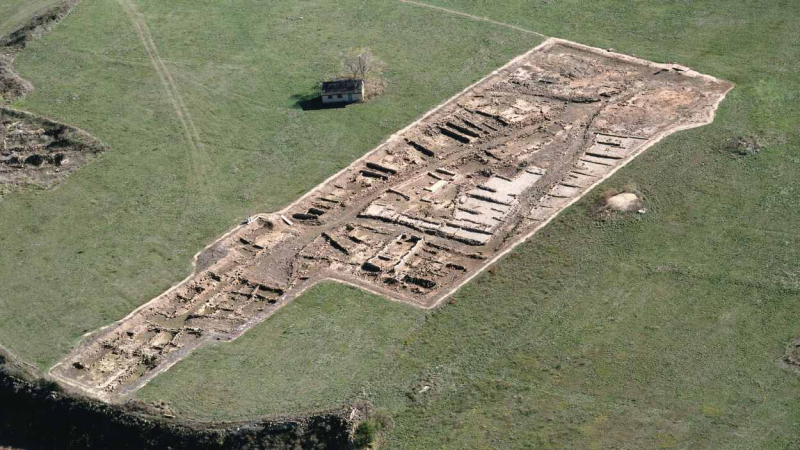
[[368, 430], [365, 433]]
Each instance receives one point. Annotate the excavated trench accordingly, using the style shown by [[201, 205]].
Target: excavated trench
[[40, 152], [423, 213]]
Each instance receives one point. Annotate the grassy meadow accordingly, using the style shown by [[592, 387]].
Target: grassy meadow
[[14, 13], [660, 330], [340, 351], [125, 228]]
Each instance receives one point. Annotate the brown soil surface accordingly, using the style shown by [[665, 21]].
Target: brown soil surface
[[39, 151], [423, 213]]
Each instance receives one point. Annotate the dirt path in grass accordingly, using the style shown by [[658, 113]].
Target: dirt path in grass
[[197, 155], [473, 17]]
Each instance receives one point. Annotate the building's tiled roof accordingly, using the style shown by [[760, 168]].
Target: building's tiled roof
[[341, 87]]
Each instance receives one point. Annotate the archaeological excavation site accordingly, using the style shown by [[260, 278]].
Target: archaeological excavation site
[[39, 152], [421, 214]]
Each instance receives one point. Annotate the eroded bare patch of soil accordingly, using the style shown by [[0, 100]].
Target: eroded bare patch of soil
[[792, 357], [424, 212], [40, 152]]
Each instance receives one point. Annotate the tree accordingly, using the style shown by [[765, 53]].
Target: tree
[[361, 64], [358, 63]]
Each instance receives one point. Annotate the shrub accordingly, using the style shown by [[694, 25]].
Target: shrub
[[367, 431], [47, 385]]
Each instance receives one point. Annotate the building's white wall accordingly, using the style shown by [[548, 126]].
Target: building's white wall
[[346, 98]]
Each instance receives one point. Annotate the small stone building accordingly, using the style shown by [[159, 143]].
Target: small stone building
[[343, 91]]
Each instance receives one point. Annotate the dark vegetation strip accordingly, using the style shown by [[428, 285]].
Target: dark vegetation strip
[[37, 414]]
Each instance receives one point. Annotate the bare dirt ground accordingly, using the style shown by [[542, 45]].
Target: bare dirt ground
[[792, 357], [34, 150], [423, 213], [37, 151], [625, 202]]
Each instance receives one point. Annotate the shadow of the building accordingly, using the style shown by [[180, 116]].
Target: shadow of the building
[[316, 104]]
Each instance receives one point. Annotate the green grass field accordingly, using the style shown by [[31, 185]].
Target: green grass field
[[125, 228], [346, 336], [14, 13], [654, 331]]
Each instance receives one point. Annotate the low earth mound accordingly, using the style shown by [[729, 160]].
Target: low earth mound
[[625, 202], [744, 146], [792, 356]]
